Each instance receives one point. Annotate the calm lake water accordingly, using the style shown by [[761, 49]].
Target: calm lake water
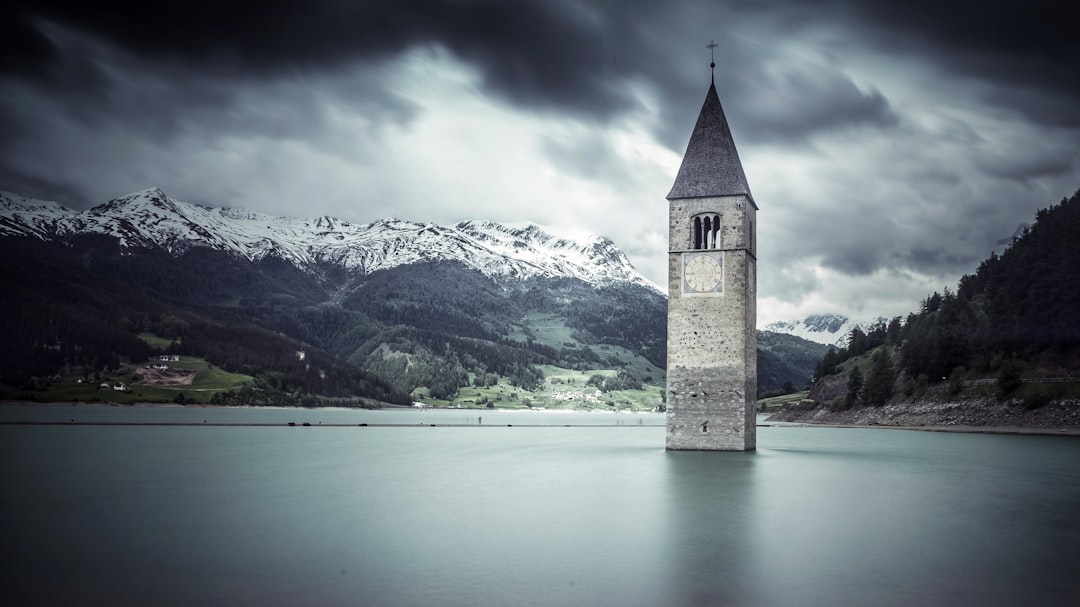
[[535, 513]]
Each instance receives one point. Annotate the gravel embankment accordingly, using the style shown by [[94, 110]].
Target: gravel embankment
[[972, 415]]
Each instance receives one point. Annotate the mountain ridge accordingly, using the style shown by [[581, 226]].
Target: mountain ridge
[[153, 218]]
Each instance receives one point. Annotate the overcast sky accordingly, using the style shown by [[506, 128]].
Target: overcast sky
[[889, 145]]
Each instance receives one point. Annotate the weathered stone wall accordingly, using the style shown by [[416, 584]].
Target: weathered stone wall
[[712, 342]]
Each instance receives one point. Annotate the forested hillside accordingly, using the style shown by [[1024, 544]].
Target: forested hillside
[[783, 361], [80, 309], [1016, 317]]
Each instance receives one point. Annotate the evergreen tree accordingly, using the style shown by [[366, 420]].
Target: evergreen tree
[[827, 366], [857, 343], [854, 387], [892, 332], [879, 381]]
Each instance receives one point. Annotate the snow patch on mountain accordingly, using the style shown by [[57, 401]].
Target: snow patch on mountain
[[151, 218]]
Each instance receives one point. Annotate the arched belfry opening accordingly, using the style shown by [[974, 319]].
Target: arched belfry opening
[[712, 276], [706, 232]]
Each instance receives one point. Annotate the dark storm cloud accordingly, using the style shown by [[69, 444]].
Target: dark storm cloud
[[569, 57], [792, 107], [1018, 45], [1021, 56], [572, 56], [575, 57], [207, 69], [24, 50], [1047, 161], [538, 54], [163, 71]]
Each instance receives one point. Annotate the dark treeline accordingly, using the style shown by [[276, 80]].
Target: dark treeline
[[201, 277], [55, 317], [1019, 308], [618, 322], [410, 357], [277, 361], [622, 380], [859, 342], [785, 362], [443, 297]]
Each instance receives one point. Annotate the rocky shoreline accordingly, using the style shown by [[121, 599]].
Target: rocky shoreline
[[969, 415]]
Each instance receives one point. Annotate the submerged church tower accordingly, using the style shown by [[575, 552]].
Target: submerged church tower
[[712, 299]]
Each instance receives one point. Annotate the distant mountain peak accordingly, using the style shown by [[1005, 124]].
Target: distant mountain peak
[[152, 197], [826, 328]]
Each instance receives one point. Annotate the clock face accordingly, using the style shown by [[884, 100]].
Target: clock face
[[703, 273]]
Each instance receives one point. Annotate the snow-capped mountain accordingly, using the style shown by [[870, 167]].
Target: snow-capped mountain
[[828, 329], [20, 215], [151, 218]]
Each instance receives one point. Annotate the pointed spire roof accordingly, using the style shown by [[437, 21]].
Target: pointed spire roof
[[711, 164]]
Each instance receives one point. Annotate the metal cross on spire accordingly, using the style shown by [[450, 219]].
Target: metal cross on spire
[[712, 60]]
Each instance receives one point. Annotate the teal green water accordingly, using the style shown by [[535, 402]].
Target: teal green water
[[583, 515]]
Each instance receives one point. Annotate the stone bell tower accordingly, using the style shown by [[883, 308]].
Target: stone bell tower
[[712, 294]]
